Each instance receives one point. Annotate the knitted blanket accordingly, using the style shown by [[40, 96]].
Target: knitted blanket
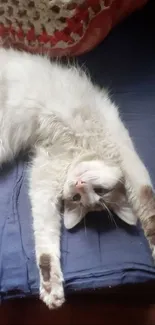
[[60, 27]]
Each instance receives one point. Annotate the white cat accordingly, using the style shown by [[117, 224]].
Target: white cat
[[83, 155]]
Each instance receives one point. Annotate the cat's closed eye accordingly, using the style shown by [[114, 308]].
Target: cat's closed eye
[[100, 190]]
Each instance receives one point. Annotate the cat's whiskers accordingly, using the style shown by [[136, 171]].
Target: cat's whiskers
[[118, 181], [109, 213], [85, 228], [112, 202], [83, 220]]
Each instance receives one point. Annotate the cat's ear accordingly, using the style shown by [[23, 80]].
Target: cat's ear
[[125, 213], [72, 215]]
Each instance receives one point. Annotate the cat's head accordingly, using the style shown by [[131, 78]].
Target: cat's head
[[93, 185]]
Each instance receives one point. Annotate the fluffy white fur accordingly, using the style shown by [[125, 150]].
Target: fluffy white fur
[[80, 147]]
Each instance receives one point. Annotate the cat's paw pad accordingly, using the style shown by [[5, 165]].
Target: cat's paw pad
[[53, 298], [51, 281]]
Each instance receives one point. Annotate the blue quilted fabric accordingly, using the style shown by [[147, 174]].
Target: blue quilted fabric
[[99, 254]]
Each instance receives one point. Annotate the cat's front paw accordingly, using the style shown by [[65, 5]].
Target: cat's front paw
[[51, 282], [53, 298]]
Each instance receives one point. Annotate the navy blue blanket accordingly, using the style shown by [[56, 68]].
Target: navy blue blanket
[[100, 254]]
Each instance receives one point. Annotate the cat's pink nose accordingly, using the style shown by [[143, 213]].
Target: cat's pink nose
[[80, 184]]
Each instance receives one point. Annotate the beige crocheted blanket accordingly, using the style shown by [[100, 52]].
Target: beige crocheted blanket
[[60, 27]]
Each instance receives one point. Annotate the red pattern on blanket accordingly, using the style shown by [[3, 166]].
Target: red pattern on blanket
[[60, 30]]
